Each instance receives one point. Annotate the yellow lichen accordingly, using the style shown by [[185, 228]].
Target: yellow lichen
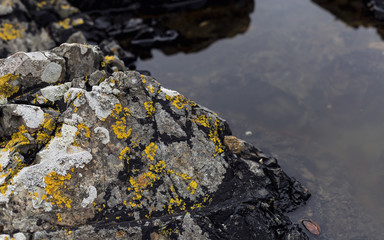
[[65, 6], [203, 121], [59, 217], [108, 59], [213, 131], [196, 205], [192, 186], [151, 88], [54, 186], [150, 151], [6, 89], [77, 21], [10, 173], [17, 138], [83, 128], [10, 32], [149, 214], [179, 101], [214, 136], [65, 23], [167, 232], [121, 130], [43, 134], [158, 167], [124, 154], [149, 107]]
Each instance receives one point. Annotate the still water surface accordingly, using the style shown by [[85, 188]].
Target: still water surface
[[310, 89]]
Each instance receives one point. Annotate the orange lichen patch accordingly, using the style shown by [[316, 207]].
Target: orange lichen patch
[[158, 167], [67, 97], [202, 120], [55, 183], [18, 138], [143, 78], [10, 32], [150, 151], [121, 130], [176, 202], [149, 214], [196, 205], [65, 23], [6, 88], [77, 21], [84, 130], [44, 134], [124, 154], [192, 187], [179, 101], [167, 232], [117, 109], [214, 130], [108, 59], [150, 108], [65, 6], [10, 173], [142, 180], [214, 136], [59, 217], [183, 175]]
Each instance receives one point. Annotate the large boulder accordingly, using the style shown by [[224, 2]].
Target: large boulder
[[101, 154]]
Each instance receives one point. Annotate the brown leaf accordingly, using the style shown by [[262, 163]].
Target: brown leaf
[[311, 226]]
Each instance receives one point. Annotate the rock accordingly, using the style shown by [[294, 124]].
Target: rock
[[127, 29], [124, 157]]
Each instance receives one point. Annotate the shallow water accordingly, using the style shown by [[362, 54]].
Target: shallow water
[[309, 88]]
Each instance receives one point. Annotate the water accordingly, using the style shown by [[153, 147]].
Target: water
[[309, 88]]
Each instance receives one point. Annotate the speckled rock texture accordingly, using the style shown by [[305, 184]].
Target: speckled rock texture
[[88, 152]]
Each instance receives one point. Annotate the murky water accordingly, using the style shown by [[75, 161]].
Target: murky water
[[310, 89]]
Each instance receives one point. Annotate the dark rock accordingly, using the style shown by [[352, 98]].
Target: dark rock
[[129, 29], [107, 155]]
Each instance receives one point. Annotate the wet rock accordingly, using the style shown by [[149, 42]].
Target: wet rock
[[117, 155]]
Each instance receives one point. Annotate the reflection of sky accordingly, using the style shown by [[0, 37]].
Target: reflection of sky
[[310, 89]]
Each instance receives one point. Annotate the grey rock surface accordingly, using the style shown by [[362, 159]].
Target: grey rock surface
[[88, 153]]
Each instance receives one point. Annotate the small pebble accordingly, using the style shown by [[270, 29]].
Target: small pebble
[[248, 133]]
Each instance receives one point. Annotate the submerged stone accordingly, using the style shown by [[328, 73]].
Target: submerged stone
[[124, 157]]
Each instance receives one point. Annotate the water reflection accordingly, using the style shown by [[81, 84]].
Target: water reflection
[[309, 88], [355, 13], [186, 26]]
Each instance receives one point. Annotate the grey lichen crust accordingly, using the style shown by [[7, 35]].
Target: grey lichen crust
[[89, 153]]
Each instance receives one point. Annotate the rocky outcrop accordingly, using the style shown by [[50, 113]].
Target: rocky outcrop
[[127, 29], [90, 151]]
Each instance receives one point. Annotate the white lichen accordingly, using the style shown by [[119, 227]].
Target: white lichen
[[59, 156], [51, 73], [92, 194], [55, 93], [32, 116], [103, 134], [169, 92]]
